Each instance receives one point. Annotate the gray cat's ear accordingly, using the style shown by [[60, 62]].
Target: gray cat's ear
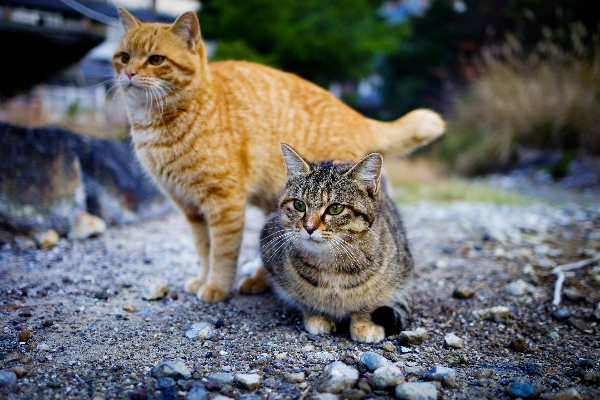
[[127, 19], [187, 28], [368, 171], [294, 162]]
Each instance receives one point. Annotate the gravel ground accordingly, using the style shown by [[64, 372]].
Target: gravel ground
[[73, 323]]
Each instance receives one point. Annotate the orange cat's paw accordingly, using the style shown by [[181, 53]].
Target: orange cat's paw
[[367, 333], [318, 325], [431, 125], [192, 285], [211, 294]]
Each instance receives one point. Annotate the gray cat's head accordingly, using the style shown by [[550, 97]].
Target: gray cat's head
[[329, 202]]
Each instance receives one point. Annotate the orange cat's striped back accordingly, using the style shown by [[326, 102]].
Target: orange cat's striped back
[[210, 134]]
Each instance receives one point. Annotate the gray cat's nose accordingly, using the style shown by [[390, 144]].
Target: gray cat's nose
[[310, 228]]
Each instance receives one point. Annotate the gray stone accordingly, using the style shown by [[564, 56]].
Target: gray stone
[[416, 371], [323, 396], [451, 340], [198, 392], [414, 337], [387, 376], [223, 377], [524, 389], [162, 383], [87, 226], [171, 369], [463, 292], [446, 376], [337, 376], [200, 331], [155, 288], [416, 391], [248, 381], [7, 378], [484, 373], [296, 377], [519, 288], [373, 360], [561, 314], [570, 394]]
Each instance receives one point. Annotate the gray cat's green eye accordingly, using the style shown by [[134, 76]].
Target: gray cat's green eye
[[335, 209], [124, 58], [299, 205]]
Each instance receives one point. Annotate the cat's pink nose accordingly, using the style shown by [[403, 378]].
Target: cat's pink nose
[[310, 228], [130, 73]]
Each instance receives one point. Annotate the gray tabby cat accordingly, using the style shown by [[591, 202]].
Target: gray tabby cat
[[336, 248]]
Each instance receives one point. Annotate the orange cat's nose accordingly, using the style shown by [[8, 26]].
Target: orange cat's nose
[[130, 72]]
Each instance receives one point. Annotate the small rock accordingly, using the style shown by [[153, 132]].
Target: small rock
[[446, 376], [363, 384], [454, 341], [561, 314], [373, 360], [573, 295], [248, 381], [163, 383], [214, 384], [519, 288], [171, 369], [388, 346], [484, 373], [570, 394], [24, 335], [519, 344], [198, 392], [296, 377], [592, 378], [7, 378], [47, 240], [130, 308], [578, 324], [137, 394], [524, 389], [352, 394], [416, 391], [416, 371], [86, 226], [155, 288], [20, 371], [410, 338], [553, 335], [337, 376], [200, 331], [321, 396], [223, 377], [387, 376], [463, 292], [497, 314]]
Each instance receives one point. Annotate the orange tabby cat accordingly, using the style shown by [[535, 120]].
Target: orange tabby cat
[[210, 134]]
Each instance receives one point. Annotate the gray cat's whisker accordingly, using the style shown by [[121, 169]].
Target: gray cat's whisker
[[275, 241], [272, 234]]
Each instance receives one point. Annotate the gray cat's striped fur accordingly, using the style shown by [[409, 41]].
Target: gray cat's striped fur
[[339, 266]]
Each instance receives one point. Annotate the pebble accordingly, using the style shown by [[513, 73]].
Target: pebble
[[296, 377], [553, 335], [319, 396], [352, 394], [171, 369], [414, 337], [248, 381], [497, 313], [578, 324], [573, 295], [223, 377], [463, 292], [561, 314], [7, 378], [130, 308], [519, 288], [524, 389], [200, 331], [484, 373], [86, 226], [24, 335], [519, 344], [592, 378], [416, 391], [387, 376], [163, 383], [336, 377], [596, 313], [198, 392], [155, 288], [446, 376], [372, 360], [454, 341], [570, 394], [20, 371], [47, 240], [416, 371]]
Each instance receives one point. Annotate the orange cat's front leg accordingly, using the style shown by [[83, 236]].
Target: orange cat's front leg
[[199, 228], [226, 228]]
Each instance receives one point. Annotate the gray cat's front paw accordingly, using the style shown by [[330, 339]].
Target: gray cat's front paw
[[318, 325], [367, 332]]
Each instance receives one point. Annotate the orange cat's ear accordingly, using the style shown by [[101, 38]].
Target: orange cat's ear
[[187, 28], [368, 171], [127, 19], [294, 162]]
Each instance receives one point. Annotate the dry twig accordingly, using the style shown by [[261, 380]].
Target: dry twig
[[560, 273]]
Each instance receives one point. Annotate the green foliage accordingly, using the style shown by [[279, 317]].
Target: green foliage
[[320, 41]]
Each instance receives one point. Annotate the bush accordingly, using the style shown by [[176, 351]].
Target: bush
[[546, 99]]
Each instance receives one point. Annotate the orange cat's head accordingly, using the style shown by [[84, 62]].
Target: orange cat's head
[[154, 61]]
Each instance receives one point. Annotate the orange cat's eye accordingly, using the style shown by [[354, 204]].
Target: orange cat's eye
[[124, 58], [156, 60]]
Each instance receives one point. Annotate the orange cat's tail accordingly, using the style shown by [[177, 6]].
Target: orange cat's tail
[[407, 133]]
